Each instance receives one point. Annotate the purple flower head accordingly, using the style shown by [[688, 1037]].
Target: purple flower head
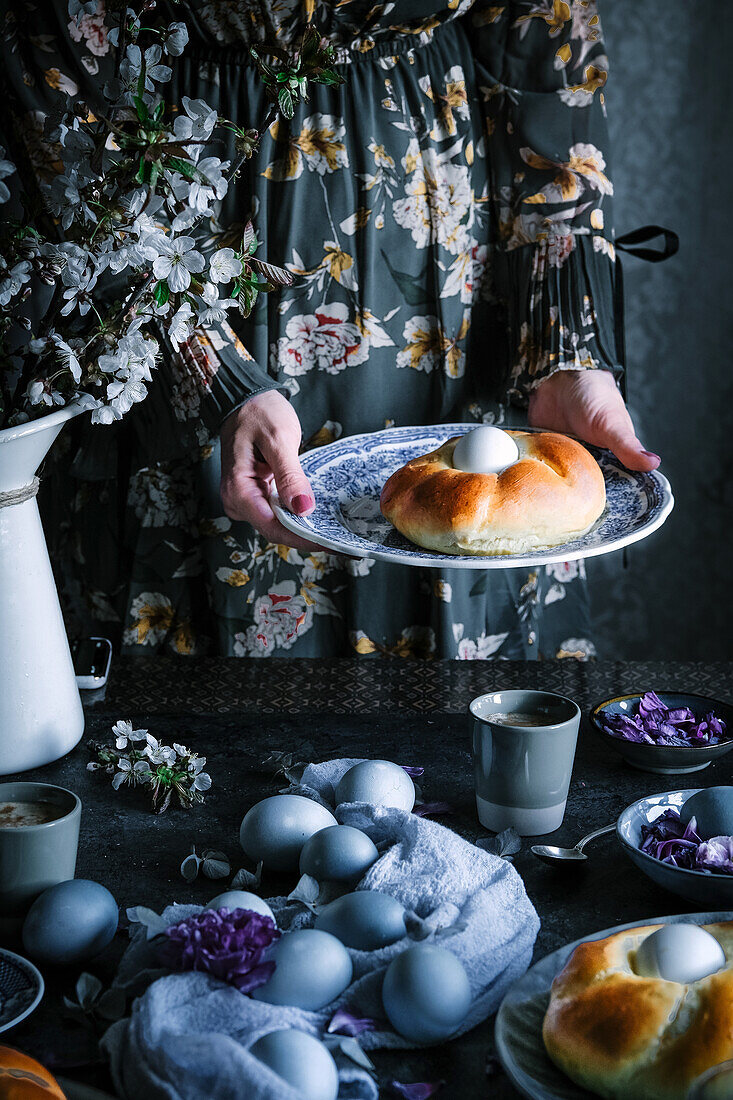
[[230, 944], [433, 809], [716, 854], [419, 1090], [414, 773]]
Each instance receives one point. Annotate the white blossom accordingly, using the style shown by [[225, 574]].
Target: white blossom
[[198, 122], [176, 39], [178, 260], [6, 169], [210, 308], [180, 327], [224, 266]]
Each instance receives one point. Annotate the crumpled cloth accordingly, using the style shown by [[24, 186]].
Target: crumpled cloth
[[188, 1034]]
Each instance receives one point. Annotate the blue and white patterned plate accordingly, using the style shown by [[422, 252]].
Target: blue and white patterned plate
[[347, 479], [21, 988]]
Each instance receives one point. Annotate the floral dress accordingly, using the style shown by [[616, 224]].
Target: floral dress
[[447, 214]]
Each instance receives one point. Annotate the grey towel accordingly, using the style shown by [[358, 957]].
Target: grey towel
[[188, 1034]]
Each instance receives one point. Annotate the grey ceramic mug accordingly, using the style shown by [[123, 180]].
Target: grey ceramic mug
[[33, 857], [522, 772]]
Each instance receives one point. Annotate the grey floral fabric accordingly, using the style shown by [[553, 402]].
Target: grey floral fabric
[[447, 215]]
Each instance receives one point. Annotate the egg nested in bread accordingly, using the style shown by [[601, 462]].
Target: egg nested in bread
[[554, 492]]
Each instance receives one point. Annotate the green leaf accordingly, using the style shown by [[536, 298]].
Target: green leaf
[[161, 292], [249, 239], [285, 102], [412, 288], [159, 110], [88, 989], [141, 108], [185, 168]]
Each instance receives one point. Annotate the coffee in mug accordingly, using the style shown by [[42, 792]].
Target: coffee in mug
[[16, 814]]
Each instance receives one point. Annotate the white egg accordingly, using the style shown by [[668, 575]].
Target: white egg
[[485, 450], [679, 953], [338, 853], [241, 899], [378, 782], [275, 829], [301, 1060], [311, 968]]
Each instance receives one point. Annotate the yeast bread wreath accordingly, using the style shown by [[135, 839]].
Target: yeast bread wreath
[[625, 1036], [550, 491]]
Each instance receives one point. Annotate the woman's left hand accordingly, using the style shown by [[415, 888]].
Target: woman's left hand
[[587, 403]]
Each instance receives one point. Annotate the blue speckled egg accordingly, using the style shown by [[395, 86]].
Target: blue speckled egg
[[378, 782], [302, 1061], [338, 853], [364, 920], [712, 808], [311, 968], [275, 829], [426, 994], [241, 899], [70, 922]]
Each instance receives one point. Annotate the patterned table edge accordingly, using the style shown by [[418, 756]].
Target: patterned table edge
[[347, 685]]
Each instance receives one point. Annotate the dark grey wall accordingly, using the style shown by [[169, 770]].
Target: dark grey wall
[[670, 98]]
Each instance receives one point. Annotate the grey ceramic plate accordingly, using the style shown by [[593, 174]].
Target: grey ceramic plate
[[665, 759], [703, 887], [21, 988], [518, 1033], [347, 479]]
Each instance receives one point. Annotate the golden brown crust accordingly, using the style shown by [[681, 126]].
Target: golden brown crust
[[554, 492], [626, 1037]]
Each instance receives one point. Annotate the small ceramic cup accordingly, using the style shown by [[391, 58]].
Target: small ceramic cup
[[33, 857], [522, 772]]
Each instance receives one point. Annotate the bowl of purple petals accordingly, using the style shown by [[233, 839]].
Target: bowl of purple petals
[[667, 732], [676, 853]]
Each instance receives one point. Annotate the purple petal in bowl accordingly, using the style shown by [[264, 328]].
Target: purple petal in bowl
[[664, 759]]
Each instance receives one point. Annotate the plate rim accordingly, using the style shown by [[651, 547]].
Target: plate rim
[[552, 556], [502, 1045], [4, 952]]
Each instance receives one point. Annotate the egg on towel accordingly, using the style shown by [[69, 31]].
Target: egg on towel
[[275, 829], [378, 782], [426, 993], [241, 899], [365, 920], [338, 853], [485, 450], [712, 808], [301, 1060], [311, 968], [70, 922], [679, 953]]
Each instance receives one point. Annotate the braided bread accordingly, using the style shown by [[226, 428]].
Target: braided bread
[[554, 492], [627, 1037]]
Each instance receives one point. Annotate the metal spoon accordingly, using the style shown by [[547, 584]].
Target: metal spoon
[[548, 853]]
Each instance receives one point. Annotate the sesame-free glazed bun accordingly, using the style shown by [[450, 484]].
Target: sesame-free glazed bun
[[627, 1037], [554, 492]]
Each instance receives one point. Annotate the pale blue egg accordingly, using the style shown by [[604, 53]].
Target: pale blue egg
[[301, 1060], [241, 899], [426, 993], [712, 809], [70, 922], [275, 829], [311, 968], [338, 853], [364, 920], [378, 782]]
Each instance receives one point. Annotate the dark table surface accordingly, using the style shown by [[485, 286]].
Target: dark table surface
[[236, 712]]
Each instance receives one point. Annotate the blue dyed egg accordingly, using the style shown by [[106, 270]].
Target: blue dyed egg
[[338, 853], [70, 922], [275, 829], [364, 920], [378, 782], [301, 1060], [241, 899], [426, 993], [712, 808], [311, 968]]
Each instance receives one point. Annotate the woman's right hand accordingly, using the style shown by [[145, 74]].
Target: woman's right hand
[[259, 445]]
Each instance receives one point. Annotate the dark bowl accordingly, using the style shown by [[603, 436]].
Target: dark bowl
[[712, 890], [665, 759]]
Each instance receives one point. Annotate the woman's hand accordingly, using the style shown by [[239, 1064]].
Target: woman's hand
[[259, 445], [587, 403]]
